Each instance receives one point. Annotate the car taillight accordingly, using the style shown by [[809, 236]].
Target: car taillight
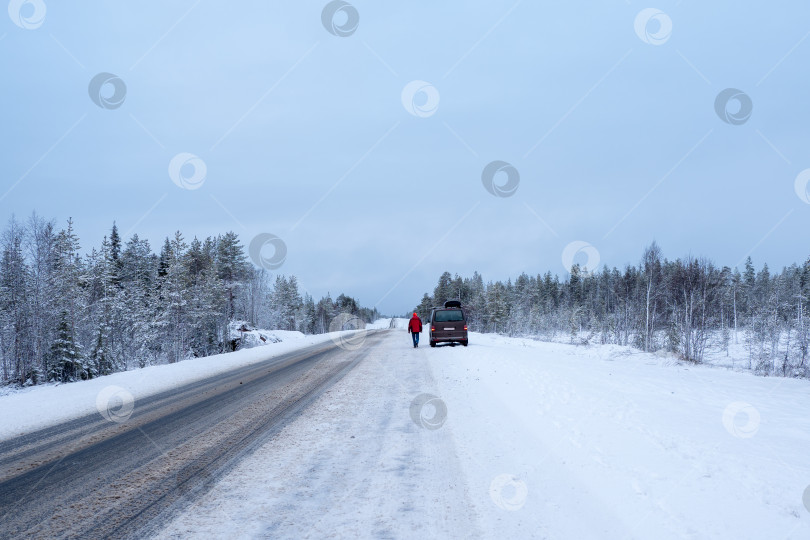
[[465, 327], [432, 328]]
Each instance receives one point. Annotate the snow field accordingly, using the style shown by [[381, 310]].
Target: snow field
[[605, 442]]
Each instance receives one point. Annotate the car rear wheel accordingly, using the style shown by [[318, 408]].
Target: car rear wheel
[[464, 342], [432, 343]]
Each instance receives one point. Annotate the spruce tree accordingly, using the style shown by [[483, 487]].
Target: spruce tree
[[65, 359]]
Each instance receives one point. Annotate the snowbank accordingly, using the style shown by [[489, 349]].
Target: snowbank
[[249, 336], [38, 407]]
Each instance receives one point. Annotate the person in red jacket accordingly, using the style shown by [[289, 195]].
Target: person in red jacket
[[415, 328]]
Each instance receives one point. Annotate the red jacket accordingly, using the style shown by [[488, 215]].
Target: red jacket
[[415, 325]]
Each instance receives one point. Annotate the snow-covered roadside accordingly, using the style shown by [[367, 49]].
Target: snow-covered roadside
[[605, 442], [735, 356], [42, 406], [248, 336]]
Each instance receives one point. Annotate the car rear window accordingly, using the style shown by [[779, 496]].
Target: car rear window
[[448, 315]]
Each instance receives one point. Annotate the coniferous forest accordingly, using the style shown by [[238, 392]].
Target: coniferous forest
[[68, 313], [685, 306]]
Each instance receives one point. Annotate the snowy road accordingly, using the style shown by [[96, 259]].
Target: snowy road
[[95, 478], [504, 438], [525, 440], [355, 465]]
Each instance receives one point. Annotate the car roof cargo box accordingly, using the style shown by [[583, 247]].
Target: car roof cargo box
[[452, 303]]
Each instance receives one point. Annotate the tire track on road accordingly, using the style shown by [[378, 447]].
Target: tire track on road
[[123, 480]]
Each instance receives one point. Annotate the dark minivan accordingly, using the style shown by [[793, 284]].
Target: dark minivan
[[448, 324]]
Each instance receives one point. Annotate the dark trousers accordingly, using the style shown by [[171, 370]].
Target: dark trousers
[[415, 336]]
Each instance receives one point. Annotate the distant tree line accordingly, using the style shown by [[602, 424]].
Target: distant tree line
[[683, 306], [66, 316]]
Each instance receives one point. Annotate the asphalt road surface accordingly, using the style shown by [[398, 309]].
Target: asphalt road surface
[[93, 477]]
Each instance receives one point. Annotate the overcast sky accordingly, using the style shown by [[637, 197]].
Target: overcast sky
[[309, 127]]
